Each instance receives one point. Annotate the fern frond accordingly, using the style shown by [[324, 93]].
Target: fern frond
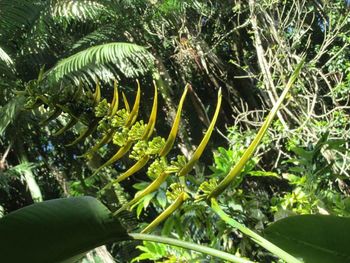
[[9, 112], [100, 35], [130, 59], [16, 14], [5, 57], [82, 10]]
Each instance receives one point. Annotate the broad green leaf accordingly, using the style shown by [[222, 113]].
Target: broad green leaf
[[63, 230], [57, 230], [313, 238]]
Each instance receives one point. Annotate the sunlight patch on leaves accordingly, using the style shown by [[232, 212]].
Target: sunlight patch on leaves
[[130, 59], [77, 10]]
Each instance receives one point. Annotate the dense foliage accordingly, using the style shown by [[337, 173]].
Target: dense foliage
[[63, 64]]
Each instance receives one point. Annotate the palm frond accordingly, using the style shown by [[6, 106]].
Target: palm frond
[[15, 15], [79, 10], [7, 67], [100, 35], [9, 112], [5, 57], [129, 59]]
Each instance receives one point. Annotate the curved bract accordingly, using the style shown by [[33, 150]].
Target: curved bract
[[236, 169], [167, 212], [149, 189], [120, 126], [153, 117], [172, 135], [197, 154], [120, 153], [115, 101]]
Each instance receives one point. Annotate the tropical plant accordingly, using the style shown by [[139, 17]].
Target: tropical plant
[[162, 172], [53, 53]]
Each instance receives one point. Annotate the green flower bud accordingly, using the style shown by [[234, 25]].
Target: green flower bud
[[157, 167], [155, 146], [139, 150], [137, 131], [120, 118], [120, 138], [102, 109]]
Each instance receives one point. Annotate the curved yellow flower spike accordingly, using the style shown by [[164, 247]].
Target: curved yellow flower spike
[[115, 101], [149, 189], [236, 169], [197, 154], [153, 117], [172, 135], [166, 213], [135, 109]]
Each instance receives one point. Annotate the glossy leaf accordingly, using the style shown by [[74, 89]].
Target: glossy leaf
[[313, 238], [57, 230]]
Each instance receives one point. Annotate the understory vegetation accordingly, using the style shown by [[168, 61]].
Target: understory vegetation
[[219, 127]]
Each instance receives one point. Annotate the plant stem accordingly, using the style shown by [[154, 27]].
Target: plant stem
[[254, 236], [188, 245]]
